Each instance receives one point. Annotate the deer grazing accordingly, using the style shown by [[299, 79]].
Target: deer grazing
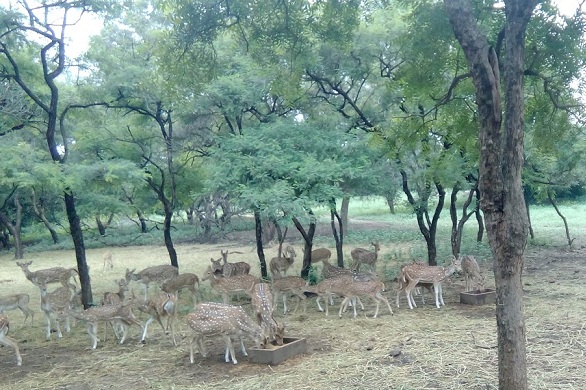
[[157, 273], [363, 256], [289, 285], [161, 305], [229, 286], [108, 262], [17, 301], [282, 264], [320, 254], [262, 305], [50, 275], [186, 280], [417, 273], [226, 321], [8, 341], [119, 314], [471, 271], [56, 305], [233, 269]]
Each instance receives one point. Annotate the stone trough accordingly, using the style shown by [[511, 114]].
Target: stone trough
[[478, 297], [276, 354]]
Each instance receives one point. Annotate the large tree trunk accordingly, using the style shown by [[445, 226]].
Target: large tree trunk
[[14, 227], [259, 246], [344, 214], [167, 234], [308, 239], [501, 163]]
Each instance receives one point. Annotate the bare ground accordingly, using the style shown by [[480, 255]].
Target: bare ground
[[448, 348]]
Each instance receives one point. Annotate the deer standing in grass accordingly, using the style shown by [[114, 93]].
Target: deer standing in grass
[[56, 306], [119, 314], [17, 301], [229, 286], [320, 254], [186, 280], [289, 285], [50, 275], [328, 287], [418, 273], [115, 298], [8, 341], [402, 284], [471, 271], [282, 264], [364, 256], [371, 288], [262, 305], [157, 273], [226, 321], [161, 305], [108, 262]]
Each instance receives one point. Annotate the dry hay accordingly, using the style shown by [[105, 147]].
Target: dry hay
[[437, 349]]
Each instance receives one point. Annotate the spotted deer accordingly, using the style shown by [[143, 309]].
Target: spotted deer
[[8, 341], [115, 298], [282, 264], [17, 301], [233, 269], [212, 319], [157, 273], [50, 275], [402, 284], [320, 254], [364, 256], [471, 271], [328, 287], [417, 273], [56, 305], [371, 288], [228, 286], [289, 285], [185, 280], [262, 305], [161, 305]]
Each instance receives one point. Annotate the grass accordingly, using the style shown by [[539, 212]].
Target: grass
[[437, 348]]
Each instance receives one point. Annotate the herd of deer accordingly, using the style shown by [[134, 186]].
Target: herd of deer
[[210, 319]]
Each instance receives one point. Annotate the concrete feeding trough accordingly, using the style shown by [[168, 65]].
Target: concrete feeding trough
[[275, 354], [478, 297]]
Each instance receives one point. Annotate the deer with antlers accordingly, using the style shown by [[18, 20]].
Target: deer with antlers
[[8, 341], [17, 301], [219, 320], [228, 286], [232, 269], [157, 273], [417, 273], [50, 275]]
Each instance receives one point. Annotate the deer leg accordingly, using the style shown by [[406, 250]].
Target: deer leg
[[9, 342], [92, 330], [319, 308], [48, 322], [242, 347], [408, 292], [229, 350], [146, 326], [192, 341], [441, 294], [437, 295], [124, 327], [344, 302]]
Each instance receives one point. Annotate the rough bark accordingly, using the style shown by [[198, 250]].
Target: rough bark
[[344, 214], [308, 239], [501, 163], [14, 227], [337, 233], [39, 211], [458, 225], [259, 246]]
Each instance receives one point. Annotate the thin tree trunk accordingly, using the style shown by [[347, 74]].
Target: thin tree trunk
[[39, 211], [167, 234], [557, 210], [259, 246], [479, 219], [458, 226], [101, 226], [308, 239], [338, 238], [14, 228], [344, 214], [531, 233]]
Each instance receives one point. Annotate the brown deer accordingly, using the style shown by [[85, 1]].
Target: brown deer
[[363, 256], [161, 305], [289, 285], [115, 298], [157, 273], [229, 286], [8, 341], [17, 301], [232, 269], [471, 271], [50, 275], [402, 284], [56, 306], [108, 263], [371, 288], [186, 280], [219, 320], [417, 273], [282, 264], [320, 254]]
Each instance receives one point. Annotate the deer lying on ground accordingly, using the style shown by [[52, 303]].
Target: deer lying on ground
[[229, 286], [289, 285], [56, 305], [50, 275], [262, 305], [417, 273], [186, 280], [8, 341], [282, 264], [320, 254], [330, 271], [226, 321], [364, 256], [161, 305], [471, 271], [232, 269], [157, 273], [119, 314], [17, 301]]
